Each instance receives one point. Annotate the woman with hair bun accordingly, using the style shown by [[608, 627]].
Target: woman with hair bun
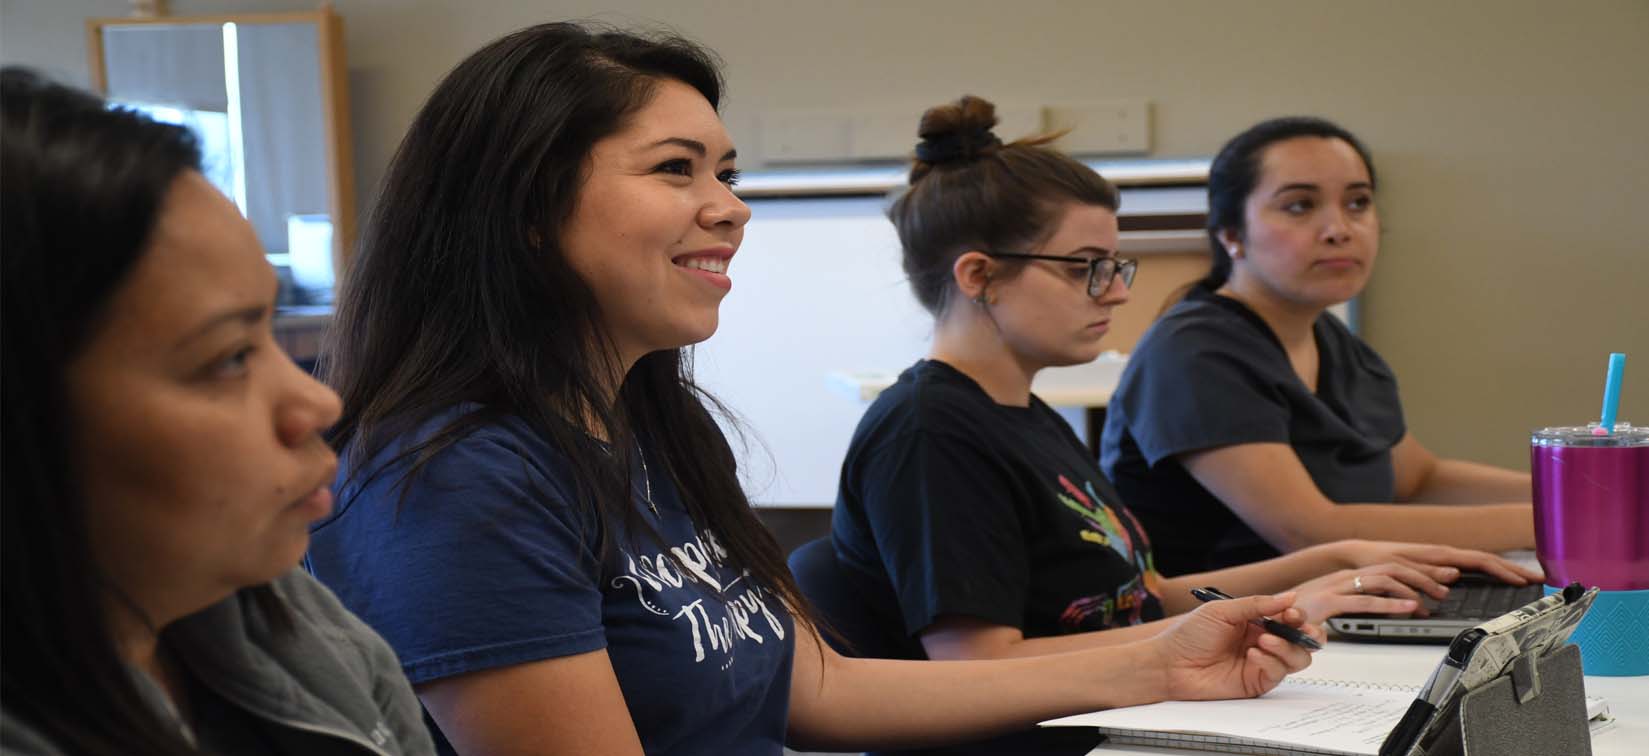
[[1251, 419], [970, 501]]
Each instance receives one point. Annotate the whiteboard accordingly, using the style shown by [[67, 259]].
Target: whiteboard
[[817, 288]]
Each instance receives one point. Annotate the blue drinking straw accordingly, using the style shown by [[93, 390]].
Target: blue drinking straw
[[1611, 391]]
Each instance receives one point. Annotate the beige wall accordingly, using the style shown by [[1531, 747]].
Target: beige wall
[[1510, 137]]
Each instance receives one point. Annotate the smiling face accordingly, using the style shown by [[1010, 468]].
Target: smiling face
[[194, 436], [1043, 312], [656, 224], [1312, 230]]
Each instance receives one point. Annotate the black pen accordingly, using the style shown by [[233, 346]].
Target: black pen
[[1433, 694], [1290, 634]]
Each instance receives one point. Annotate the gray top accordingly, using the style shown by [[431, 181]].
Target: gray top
[[1211, 373], [330, 686]]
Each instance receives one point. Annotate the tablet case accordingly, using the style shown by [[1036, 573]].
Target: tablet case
[[1538, 708]]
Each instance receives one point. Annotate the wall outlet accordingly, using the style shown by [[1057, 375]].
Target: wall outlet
[[1109, 127]]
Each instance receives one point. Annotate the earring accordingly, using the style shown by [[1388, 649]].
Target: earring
[[1235, 251], [984, 298]]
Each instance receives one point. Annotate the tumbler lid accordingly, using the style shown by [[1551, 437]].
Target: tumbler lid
[[1586, 435]]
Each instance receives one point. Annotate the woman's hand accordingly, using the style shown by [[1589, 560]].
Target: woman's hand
[[1442, 563], [1389, 588], [1216, 652]]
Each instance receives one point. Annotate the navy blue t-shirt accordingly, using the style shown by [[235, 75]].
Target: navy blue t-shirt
[[1211, 373], [963, 506], [490, 561]]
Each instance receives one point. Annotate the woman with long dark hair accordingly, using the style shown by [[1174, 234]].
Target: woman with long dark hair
[[537, 507], [1250, 422], [163, 461]]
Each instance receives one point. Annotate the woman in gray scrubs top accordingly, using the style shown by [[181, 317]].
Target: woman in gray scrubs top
[[1247, 412]]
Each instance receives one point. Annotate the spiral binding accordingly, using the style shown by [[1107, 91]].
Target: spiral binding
[[1363, 684]]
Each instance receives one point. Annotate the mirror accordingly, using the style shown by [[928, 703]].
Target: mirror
[[266, 95]]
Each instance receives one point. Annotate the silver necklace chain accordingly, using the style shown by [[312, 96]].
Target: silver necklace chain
[[647, 479]]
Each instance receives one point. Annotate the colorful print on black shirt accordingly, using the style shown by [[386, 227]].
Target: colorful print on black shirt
[[973, 508], [1127, 604]]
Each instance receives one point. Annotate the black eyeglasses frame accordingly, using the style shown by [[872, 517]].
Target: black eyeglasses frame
[[1098, 282]]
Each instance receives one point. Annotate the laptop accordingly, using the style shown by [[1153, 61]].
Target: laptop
[[1473, 598]]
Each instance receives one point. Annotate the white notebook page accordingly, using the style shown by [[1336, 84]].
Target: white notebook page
[[1302, 715], [1321, 715]]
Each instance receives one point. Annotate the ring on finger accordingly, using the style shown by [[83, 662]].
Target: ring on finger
[[1357, 584]]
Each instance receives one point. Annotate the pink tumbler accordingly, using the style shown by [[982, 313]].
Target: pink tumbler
[[1591, 524], [1591, 506]]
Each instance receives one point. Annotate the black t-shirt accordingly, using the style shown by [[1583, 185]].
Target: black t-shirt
[[1210, 373], [974, 508], [968, 507]]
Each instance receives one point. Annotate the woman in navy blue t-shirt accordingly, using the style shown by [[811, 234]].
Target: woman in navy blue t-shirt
[[1247, 412], [538, 510]]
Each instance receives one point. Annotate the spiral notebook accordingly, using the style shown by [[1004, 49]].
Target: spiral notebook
[[1301, 717]]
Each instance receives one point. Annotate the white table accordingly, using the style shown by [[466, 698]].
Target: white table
[[1628, 697]]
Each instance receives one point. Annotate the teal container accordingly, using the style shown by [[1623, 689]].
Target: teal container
[[1614, 636]]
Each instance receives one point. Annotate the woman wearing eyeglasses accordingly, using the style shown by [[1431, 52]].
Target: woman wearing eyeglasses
[[971, 500], [1255, 422]]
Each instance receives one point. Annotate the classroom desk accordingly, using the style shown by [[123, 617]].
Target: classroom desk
[[1628, 697]]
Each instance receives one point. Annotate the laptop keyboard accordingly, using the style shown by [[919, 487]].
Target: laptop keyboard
[[1482, 601]]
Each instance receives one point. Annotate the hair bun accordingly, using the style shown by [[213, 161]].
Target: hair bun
[[957, 131]]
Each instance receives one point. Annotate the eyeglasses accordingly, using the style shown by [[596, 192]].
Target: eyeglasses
[[1102, 269]]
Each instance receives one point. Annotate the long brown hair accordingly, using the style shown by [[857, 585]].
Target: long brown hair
[[460, 292]]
